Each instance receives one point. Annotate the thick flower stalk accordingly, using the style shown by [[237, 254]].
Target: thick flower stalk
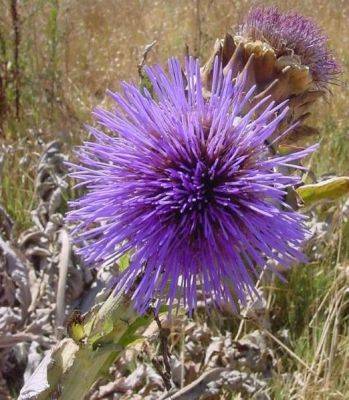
[[290, 60], [188, 187]]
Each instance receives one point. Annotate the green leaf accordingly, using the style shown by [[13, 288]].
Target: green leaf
[[111, 321], [130, 335], [124, 262], [329, 190]]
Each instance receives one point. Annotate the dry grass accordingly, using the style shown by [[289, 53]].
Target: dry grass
[[72, 51]]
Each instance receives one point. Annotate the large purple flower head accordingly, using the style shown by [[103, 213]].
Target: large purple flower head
[[291, 34], [186, 186]]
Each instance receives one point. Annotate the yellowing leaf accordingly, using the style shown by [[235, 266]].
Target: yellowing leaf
[[329, 190]]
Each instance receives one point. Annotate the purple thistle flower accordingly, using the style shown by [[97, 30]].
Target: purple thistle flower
[[291, 34], [188, 187]]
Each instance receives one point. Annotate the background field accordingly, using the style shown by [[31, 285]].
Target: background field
[[57, 58]]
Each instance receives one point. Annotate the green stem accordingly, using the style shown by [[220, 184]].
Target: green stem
[[101, 346], [76, 363]]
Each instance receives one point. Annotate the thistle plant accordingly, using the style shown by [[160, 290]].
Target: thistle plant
[[179, 177]]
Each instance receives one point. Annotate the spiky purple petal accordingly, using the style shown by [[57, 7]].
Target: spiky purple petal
[[188, 186]]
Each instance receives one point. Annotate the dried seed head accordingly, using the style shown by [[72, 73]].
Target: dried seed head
[[295, 37], [287, 58]]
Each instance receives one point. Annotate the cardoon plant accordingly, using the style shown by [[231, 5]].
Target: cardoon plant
[[187, 186], [183, 181]]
